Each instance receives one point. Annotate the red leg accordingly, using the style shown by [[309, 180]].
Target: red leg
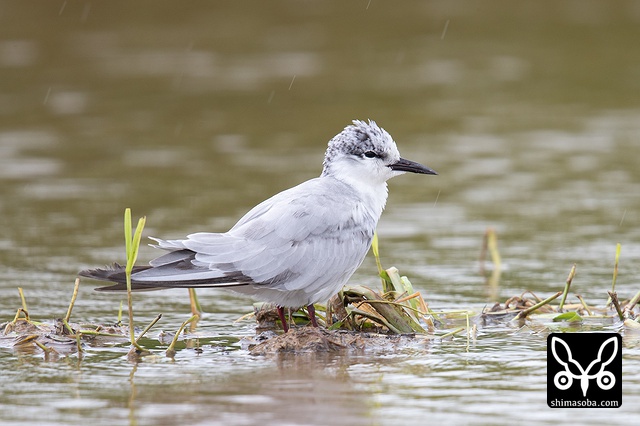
[[312, 315], [283, 319]]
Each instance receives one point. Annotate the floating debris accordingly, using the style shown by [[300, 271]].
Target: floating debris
[[312, 340]]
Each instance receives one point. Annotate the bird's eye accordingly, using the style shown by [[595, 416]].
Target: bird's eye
[[371, 154]]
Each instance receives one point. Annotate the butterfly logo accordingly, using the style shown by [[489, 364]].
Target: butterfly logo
[[564, 379]]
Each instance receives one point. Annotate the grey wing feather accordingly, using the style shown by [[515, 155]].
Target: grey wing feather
[[172, 257]]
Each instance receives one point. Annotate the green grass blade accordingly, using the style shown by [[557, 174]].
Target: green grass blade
[[132, 254], [387, 285], [127, 231], [376, 252], [132, 245]]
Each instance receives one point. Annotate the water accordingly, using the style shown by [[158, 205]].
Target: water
[[191, 116]]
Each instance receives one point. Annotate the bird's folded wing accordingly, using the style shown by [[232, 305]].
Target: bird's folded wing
[[301, 238], [304, 235]]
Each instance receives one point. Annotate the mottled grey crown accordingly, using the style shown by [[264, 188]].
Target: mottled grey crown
[[357, 139]]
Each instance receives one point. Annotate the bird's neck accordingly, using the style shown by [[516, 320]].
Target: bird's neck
[[372, 193], [377, 196]]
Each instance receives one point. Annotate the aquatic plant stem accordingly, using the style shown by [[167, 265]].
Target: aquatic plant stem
[[67, 327], [567, 285], [171, 351], [584, 305], [615, 272], [147, 328], [615, 267], [132, 245], [120, 314], [633, 302], [490, 244], [74, 296], [23, 300], [46, 349], [614, 301], [452, 332], [196, 309], [23, 311], [523, 313]]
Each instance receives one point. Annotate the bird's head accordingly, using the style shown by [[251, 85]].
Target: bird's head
[[363, 151]]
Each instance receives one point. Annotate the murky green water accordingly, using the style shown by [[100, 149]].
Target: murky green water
[[191, 114]]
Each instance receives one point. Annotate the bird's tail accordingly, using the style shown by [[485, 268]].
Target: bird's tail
[[116, 274]]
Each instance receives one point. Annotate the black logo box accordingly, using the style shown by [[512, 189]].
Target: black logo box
[[584, 370]]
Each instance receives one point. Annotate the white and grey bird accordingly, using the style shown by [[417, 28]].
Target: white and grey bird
[[297, 248]]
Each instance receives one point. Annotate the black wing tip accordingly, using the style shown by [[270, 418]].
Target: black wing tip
[[106, 274], [110, 288], [120, 287], [116, 274]]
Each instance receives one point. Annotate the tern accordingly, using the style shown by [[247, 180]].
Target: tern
[[298, 247]]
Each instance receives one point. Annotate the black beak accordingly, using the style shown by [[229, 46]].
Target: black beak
[[403, 165]]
